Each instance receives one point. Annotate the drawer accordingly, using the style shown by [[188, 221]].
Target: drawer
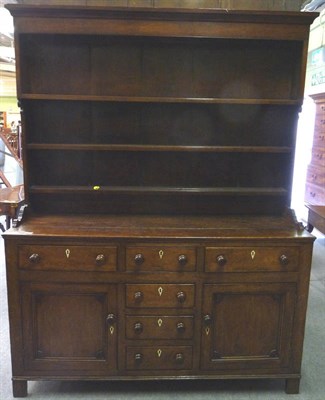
[[159, 327], [251, 259], [68, 258], [314, 194], [320, 108], [160, 295], [160, 258], [319, 138], [159, 357], [320, 122], [316, 175], [318, 156]]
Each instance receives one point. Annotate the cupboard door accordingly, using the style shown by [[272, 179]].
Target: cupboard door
[[69, 327], [247, 326]]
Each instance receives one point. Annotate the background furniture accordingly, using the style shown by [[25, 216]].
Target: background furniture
[[11, 199], [316, 218], [315, 186], [158, 243]]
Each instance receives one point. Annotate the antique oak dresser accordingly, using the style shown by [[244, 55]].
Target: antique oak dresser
[[157, 241]]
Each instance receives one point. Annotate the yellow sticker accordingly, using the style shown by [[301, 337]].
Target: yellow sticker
[[96, 187]]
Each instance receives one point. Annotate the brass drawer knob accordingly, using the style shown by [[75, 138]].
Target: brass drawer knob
[[207, 319], [138, 327], [138, 296], [139, 259], [35, 258], [111, 319], [180, 326], [100, 259], [179, 358], [138, 357], [284, 260], [221, 260], [182, 259], [181, 297]]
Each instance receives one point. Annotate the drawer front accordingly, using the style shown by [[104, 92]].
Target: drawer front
[[320, 122], [159, 358], [68, 258], [316, 175], [160, 258], [318, 156], [320, 117], [319, 137], [315, 195], [320, 107], [160, 295], [251, 259], [159, 327]]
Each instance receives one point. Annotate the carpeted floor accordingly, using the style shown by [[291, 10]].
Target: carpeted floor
[[313, 369]]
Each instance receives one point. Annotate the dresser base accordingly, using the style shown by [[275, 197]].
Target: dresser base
[[20, 386], [142, 299]]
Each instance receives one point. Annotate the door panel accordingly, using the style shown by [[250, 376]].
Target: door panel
[[247, 326], [70, 327]]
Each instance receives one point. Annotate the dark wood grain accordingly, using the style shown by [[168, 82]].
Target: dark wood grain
[[158, 154]]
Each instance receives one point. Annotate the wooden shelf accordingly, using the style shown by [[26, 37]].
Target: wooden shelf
[[241, 191], [159, 148], [157, 99], [147, 115]]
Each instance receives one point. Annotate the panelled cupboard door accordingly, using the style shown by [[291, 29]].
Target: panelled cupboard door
[[247, 326], [69, 327]]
